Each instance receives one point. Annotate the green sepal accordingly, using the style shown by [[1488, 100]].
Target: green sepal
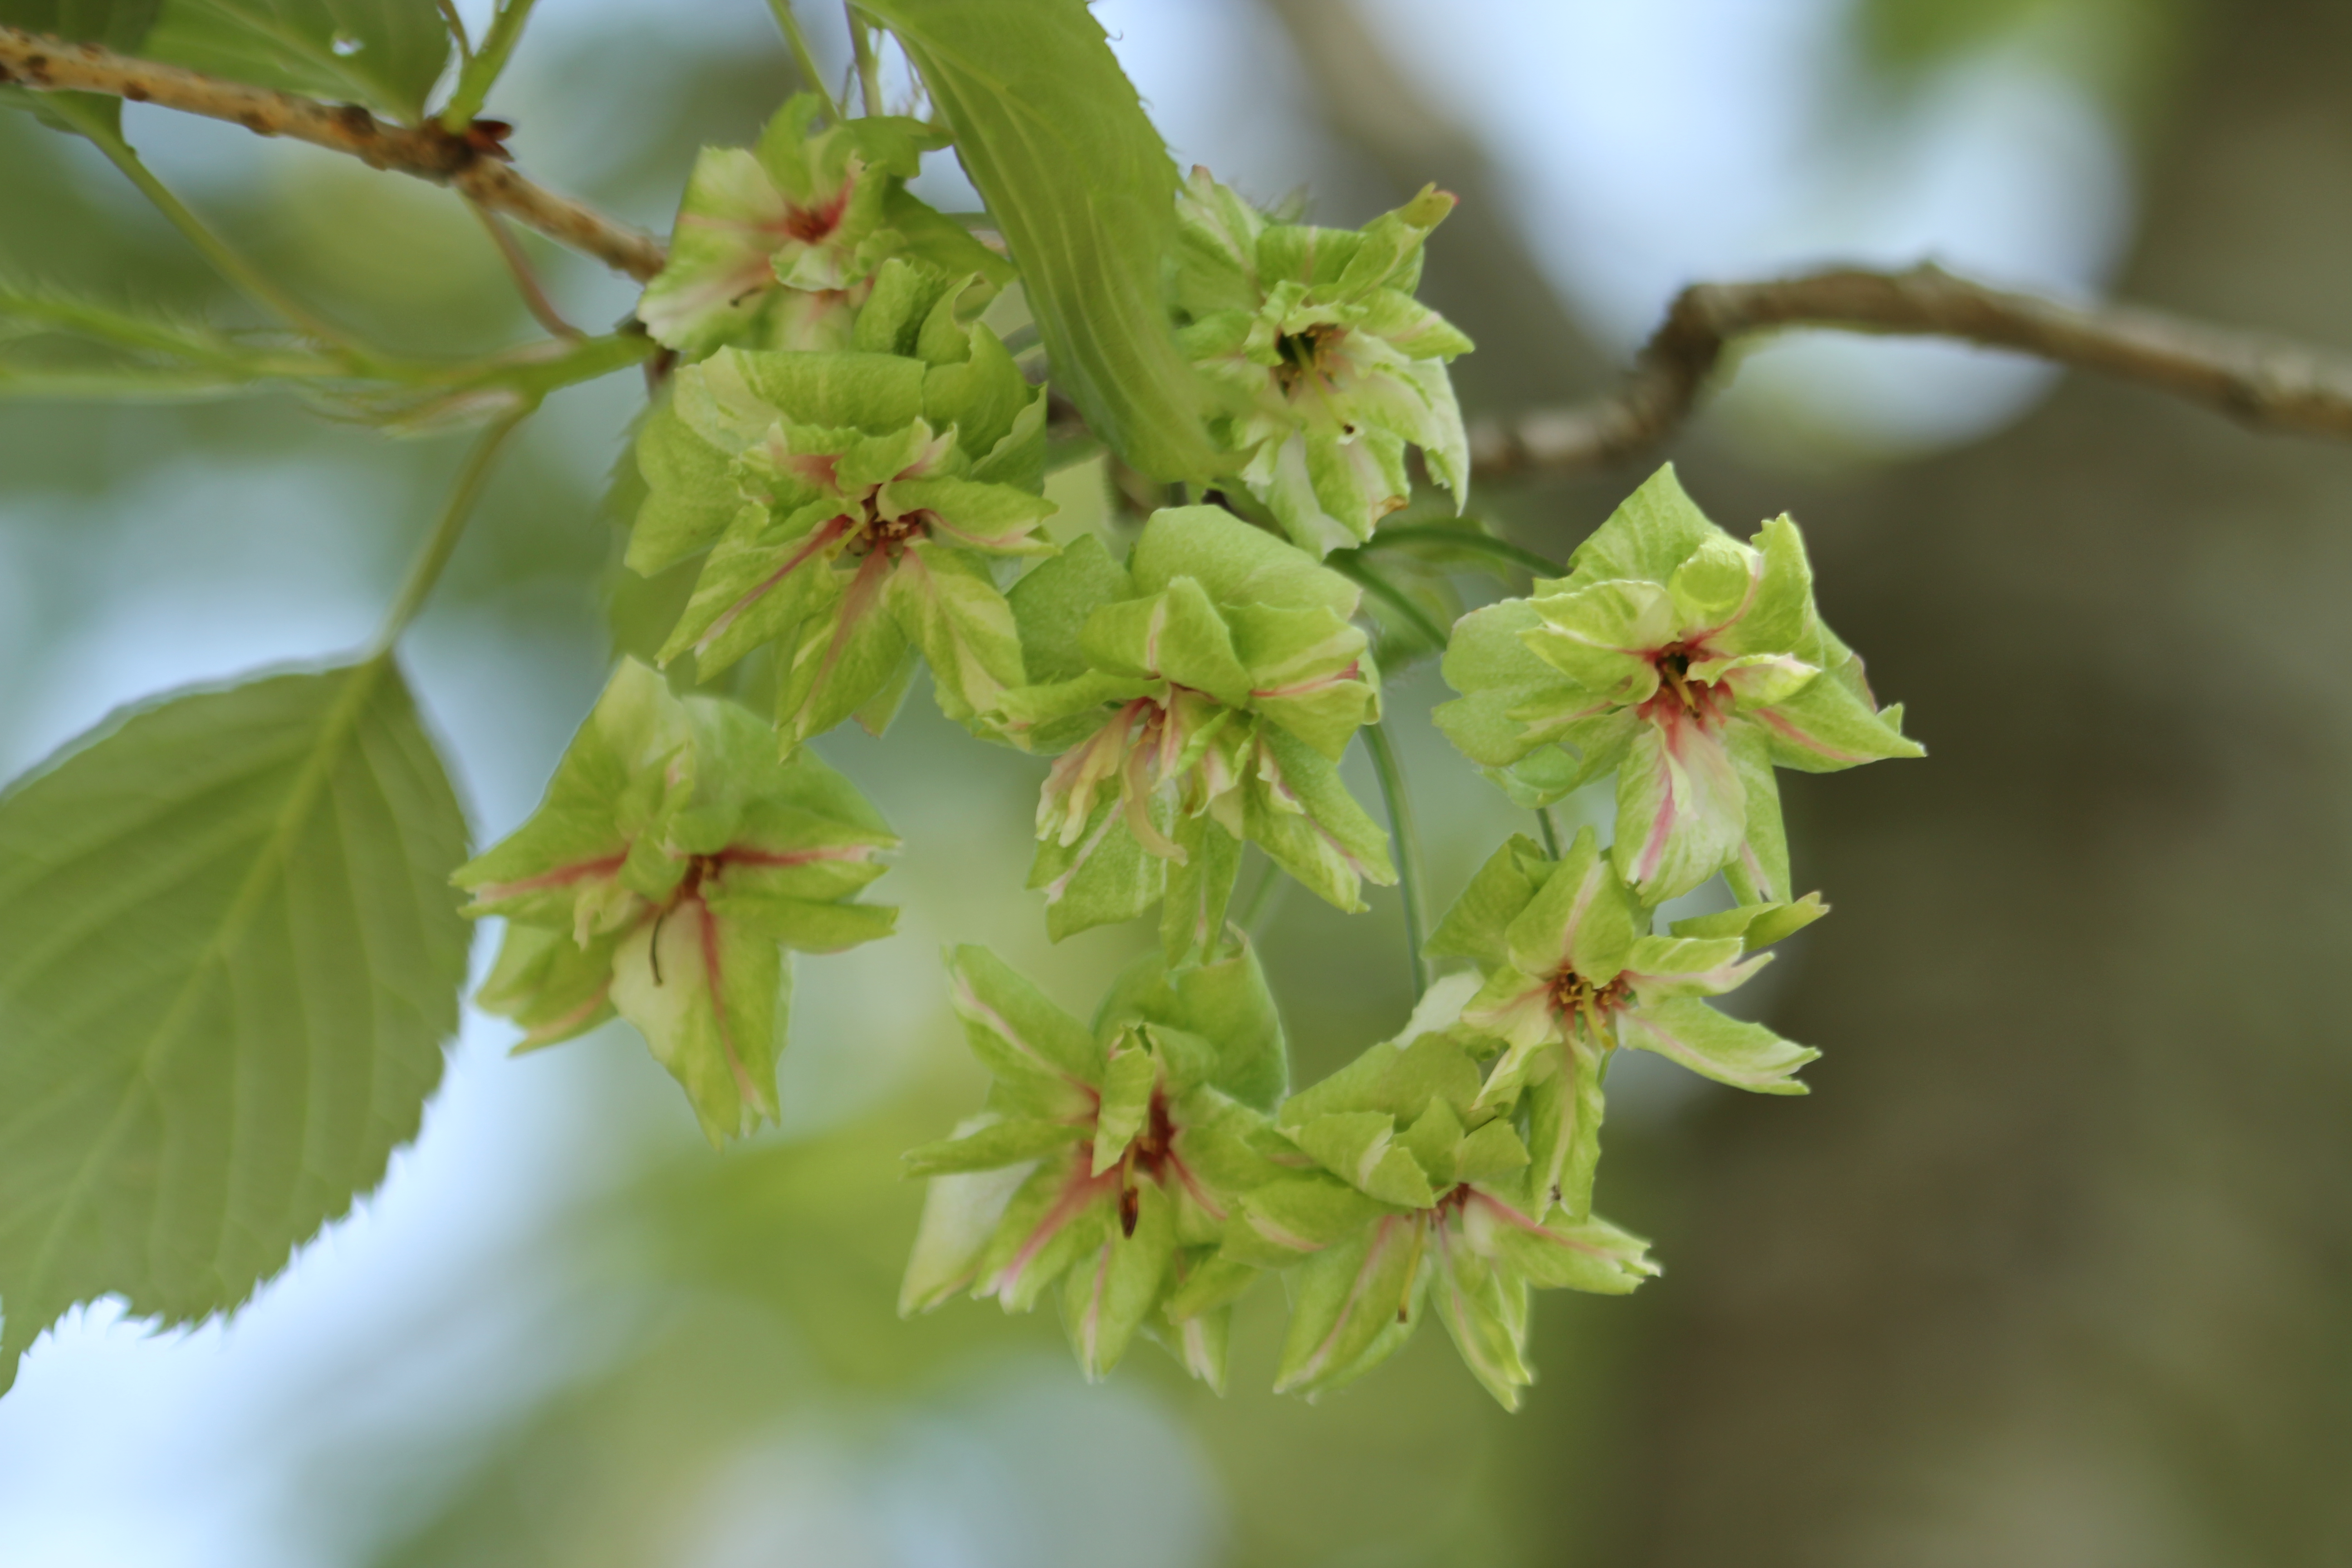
[[1728, 1050], [550, 983], [1130, 1074], [1755, 925], [1000, 1143], [1485, 1310], [1227, 1003], [1347, 1301], [1020, 1036], [1107, 1296], [961, 1213]]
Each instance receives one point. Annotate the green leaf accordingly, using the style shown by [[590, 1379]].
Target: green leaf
[[120, 24], [1052, 135], [228, 956], [385, 54]]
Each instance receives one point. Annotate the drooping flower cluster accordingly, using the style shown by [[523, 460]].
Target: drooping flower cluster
[[1136, 1164], [777, 247], [1205, 692], [847, 506], [1330, 366], [853, 469], [1689, 664], [671, 864]]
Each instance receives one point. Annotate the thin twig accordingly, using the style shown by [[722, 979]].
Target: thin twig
[[1407, 836], [427, 151], [2262, 380], [526, 275], [1551, 832]]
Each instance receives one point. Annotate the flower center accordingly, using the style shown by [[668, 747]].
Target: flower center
[[1303, 353], [1151, 1152], [891, 534], [1674, 664], [1574, 997], [809, 225]]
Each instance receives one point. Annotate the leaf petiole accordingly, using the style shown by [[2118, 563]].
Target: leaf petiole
[[426, 570], [1408, 846], [248, 278], [482, 66]]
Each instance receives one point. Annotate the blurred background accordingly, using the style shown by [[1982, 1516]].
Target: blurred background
[[2053, 1267]]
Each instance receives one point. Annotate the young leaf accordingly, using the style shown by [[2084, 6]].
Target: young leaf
[[228, 957], [385, 54], [1052, 135]]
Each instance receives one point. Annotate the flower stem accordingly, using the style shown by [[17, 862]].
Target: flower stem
[[1349, 565], [1408, 846], [1481, 544], [1264, 900], [804, 57], [869, 69], [1551, 833], [426, 570]]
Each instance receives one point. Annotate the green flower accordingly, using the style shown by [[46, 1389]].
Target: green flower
[[777, 247], [1689, 663], [850, 505], [1570, 971], [1420, 1197], [1200, 696], [1108, 1159], [1331, 366], [672, 861]]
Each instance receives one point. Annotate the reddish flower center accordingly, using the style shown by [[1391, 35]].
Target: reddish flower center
[[1572, 994], [1151, 1154], [809, 225], [1674, 674], [870, 531]]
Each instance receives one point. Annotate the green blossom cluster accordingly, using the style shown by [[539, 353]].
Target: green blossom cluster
[[1199, 697], [777, 245], [1689, 664], [848, 508], [672, 863], [1152, 1167], [1329, 367]]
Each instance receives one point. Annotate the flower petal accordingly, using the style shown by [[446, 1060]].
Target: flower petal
[[1728, 1050], [1681, 805]]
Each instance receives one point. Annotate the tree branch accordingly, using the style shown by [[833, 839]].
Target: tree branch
[[427, 151], [2262, 380]]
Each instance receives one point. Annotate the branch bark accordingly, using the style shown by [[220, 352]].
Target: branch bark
[[2265, 381], [427, 151]]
